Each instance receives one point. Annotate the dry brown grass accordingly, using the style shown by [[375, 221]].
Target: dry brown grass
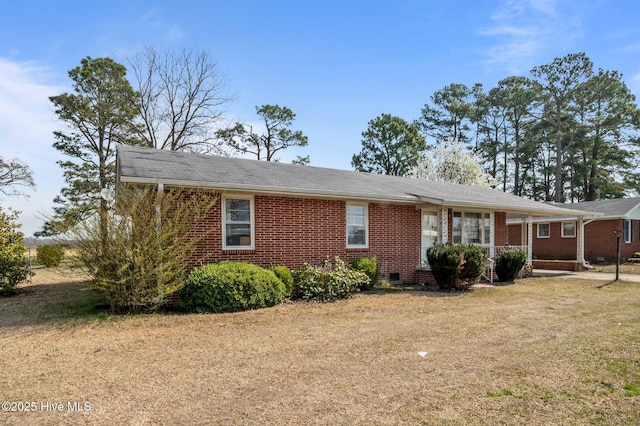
[[625, 268], [541, 351]]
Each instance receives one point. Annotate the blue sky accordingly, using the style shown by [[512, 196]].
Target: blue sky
[[336, 64]]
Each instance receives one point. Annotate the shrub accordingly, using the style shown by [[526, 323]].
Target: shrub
[[368, 265], [636, 255], [13, 260], [50, 255], [285, 276], [509, 262], [456, 267], [327, 281], [134, 264], [231, 287]]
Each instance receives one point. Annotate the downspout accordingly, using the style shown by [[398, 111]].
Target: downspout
[[582, 260], [530, 239]]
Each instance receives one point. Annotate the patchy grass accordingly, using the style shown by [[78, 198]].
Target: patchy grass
[[540, 351], [625, 268]]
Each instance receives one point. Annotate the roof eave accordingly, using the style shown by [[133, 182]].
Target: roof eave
[[257, 189]]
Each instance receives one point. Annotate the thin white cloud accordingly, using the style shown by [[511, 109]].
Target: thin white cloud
[[548, 7], [26, 126], [524, 30]]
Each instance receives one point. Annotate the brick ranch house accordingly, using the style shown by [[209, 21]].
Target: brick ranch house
[[556, 237], [291, 214]]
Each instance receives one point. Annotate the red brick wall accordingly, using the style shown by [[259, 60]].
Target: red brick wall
[[600, 241], [554, 247], [500, 228], [292, 231], [514, 235]]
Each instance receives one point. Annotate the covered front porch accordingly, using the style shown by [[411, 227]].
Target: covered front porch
[[487, 228]]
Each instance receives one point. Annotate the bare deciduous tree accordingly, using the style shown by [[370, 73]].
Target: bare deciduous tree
[[14, 173], [182, 95]]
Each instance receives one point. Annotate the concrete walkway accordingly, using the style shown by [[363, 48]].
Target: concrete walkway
[[587, 275]]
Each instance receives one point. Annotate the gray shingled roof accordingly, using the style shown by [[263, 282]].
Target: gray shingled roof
[[627, 208], [151, 166]]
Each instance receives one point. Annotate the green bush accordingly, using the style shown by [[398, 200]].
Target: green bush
[[368, 265], [327, 281], [13, 260], [509, 262], [456, 267], [50, 255], [285, 276], [231, 287]]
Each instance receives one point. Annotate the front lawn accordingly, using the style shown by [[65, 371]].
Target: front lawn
[[625, 268], [541, 351]]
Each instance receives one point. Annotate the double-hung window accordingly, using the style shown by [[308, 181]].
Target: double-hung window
[[357, 226], [471, 228], [237, 223], [544, 230], [627, 230], [568, 229]]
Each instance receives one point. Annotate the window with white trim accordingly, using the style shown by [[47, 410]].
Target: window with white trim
[[471, 228], [544, 230], [627, 230], [237, 223], [568, 229], [357, 226]]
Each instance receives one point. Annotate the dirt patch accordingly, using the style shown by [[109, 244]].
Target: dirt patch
[[540, 351]]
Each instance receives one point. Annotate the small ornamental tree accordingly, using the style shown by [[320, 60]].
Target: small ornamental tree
[[13, 260], [149, 246]]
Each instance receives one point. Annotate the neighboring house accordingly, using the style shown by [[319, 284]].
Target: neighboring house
[[291, 214], [556, 237]]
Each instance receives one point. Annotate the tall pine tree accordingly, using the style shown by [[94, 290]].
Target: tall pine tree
[[98, 116]]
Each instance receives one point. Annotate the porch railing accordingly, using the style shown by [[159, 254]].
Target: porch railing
[[498, 249]]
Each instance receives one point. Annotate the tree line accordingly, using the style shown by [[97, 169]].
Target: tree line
[[175, 100], [566, 132]]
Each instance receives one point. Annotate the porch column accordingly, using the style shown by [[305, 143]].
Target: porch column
[[530, 239], [444, 225], [580, 240], [492, 235]]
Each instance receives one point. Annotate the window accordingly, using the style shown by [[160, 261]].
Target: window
[[237, 218], [471, 228], [627, 228], [357, 225], [568, 229], [430, 232], [543, 230]]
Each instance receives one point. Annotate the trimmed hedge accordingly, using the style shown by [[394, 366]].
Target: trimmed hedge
[[231, 287], [368, 265], [285, 276], [327, 281], [509, 262], [456, 267]]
